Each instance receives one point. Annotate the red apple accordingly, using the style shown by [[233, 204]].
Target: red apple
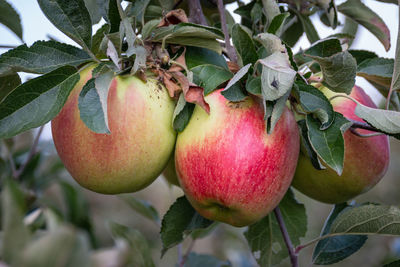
[[140, 143], [366, 159], [230, 169]]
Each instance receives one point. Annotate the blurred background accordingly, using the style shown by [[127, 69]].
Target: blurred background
[[225, 242]]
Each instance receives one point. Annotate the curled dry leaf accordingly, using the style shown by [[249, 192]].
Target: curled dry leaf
[[233, 66], [173, 17], [195, 94]]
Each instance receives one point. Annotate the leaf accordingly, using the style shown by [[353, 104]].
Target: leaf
[[395, 85], [238, 76], [325, 48], [368, 219], [277, 22], [7, 84], [277, 76], [92, 102], [10, 18], [36, 102], [292, 34], [361, 55], [336, 248], [253, 85], [393, 263], [196, 56], [93, 9], [244, 45], [307, 145], [271, 43], [182, 114], [15, 233], [386, 120], [329, 143], [362, 14], [338, 70], [210, 77], [142, 207], [149, 27], [308, 26], [71, 17], [314, 101], [137, 9], [350, 27], [41, 57], [265, 238], [271, 9], [180, 220], [378, 70], [98, 38], [139, 251], [200, 260], [234, 93], [61, 247]]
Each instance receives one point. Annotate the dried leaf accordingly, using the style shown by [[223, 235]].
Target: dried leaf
[[173, 17], [171, 85], [195, 95], [233, 66]]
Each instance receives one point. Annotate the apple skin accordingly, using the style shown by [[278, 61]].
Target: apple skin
[[366, 160], [229, 168], [139, 146]]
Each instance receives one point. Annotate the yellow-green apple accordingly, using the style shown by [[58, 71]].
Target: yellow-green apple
[[170, 172], [140, 143], [366, 159], [229, 168]]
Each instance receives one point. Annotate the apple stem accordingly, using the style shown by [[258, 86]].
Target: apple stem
[[286, 237]]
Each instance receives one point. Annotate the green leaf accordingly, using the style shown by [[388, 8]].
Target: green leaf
[[10, 18], [109, 11], [244, 45], [277, 76], [265, 238], [277, 23], [139, 250], [393, 263], [336, 248], [149, 27], [71, 17], [137, 10], [61, 247], [179, 221], [338, 70], [142, 207], [378, 70], [210, 77], [350, 27], [202, 260], [36, 102], [325, 48], [308, 26], [93, 102], [41, 57], [7, 84], [271, 43], [293, 33], [386, 120], [234, 93], [395, 85], [361, 55], [15, 233], [329, 143], [307, 145], [238, 76], [314, 101], [98, 38], [253, 85], [196, 56], [368, 219], [271, 9], [273, 114], [93, 9], [362, 14], [182, 114]]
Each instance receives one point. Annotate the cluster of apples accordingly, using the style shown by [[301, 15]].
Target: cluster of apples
[[229, 168]]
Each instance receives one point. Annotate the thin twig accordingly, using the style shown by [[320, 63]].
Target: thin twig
[[229, 48], [196, 14], [185, 257], [286, 237], [32, 153], [11, 159], [8, 46]]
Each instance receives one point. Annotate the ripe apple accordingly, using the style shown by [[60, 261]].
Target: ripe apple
[[229, 168], [366, 159], [139, 146]]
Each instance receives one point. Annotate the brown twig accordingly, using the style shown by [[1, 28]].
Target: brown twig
[[185, 257], [229, 48], [286, 237], [196, 14], [32, 153]]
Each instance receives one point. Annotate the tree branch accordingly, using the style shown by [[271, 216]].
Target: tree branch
[[196, 14], [286, 237], [229, 48]]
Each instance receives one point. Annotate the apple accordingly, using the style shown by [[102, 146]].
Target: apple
[[170, 172], [229, 168], [139, 146], [366, 159]]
